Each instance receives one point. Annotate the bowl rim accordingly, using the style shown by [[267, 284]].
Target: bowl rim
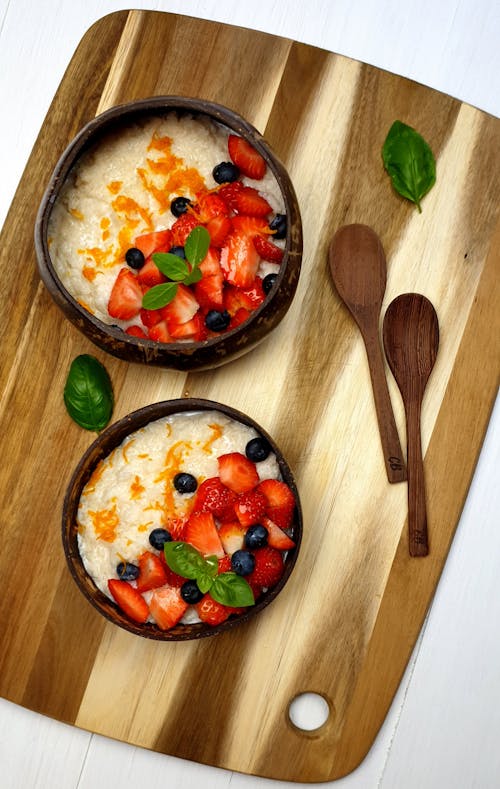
[[90, 134], [100, 448]]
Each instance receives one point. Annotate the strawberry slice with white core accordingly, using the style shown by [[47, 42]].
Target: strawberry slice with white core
[[125, 300], [201, 532], [181, 309], [239, 260], [277, 538], [232, 536], [167, 607], [251, 203]]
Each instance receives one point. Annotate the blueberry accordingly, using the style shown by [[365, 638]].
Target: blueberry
[[127, 571], [256, 536], [179, 205], [268, 282], [217, 321], [158, 538], [135, 258], [226, 172], [258, 449], [185, 483], [278, 223], [179, 251], [242, 562], [190, 592]]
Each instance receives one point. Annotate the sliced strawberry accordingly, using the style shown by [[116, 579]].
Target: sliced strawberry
[[237, 472], [267, 250], [194, 329], [277, 538], [239, 317], [159, 240], [224, 565], [210, 205], [250, 507], [232, 536], [167, 607], [136, 331], [176, 526], [211, 612], [219, 228], [181, 309], [280, 501], [150, 274], [151, 572], [202, 534], [239, 260], [159, 332], [212, 496], [182, 228], [150, 317], [255, 294], [269, 566], [229, 191], [129, 600], [209, 290], [249, 225], [244, 156], [251, 203], [125, 300]]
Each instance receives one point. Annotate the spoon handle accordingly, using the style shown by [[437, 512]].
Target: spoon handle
[[391, 447], [417, 513]]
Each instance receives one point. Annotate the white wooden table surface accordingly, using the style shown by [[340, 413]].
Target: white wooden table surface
[[443, 728]]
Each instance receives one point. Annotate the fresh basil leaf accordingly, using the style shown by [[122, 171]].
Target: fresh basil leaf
[[172, 266], [212, 563], [196, 245], [232, 590], [88, 394], [159, 296], [184, 560], [409, 161], [194, 276], [204, 582]]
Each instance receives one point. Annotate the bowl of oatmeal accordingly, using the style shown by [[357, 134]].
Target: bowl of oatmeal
[[170, 233], [181, 520]]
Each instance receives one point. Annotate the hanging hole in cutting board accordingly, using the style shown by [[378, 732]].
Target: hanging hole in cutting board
[[309, 711]]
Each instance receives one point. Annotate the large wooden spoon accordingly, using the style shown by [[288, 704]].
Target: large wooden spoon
[[411, 341], [358, 267]]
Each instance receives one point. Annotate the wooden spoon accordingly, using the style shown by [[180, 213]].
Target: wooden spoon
[[411, 341], [358, 267]]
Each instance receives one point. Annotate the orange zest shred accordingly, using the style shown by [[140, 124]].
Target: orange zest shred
[[125, 449], [136, 488], [89, 273], [114, 187], [173, 464], [76, 213], [85, 306], [216, 433], [105, 523], [144, 526]]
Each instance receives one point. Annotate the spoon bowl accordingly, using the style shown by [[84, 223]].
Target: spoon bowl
[[411, 341]]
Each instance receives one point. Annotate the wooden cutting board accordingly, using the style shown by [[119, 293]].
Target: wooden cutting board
[[345, 624]]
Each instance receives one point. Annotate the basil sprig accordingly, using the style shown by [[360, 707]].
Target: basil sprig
[[227, 588], [409, 161], [177, 270], [88, 394]]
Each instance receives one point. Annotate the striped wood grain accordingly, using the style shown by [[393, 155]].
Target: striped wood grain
[[346, 622]]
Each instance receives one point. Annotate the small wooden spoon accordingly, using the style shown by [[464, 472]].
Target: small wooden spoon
[[411, 341], [358, 267]]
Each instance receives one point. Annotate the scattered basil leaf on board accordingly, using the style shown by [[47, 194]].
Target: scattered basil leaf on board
[[227, 588], [88, 394], [409, 161], [176, 269]]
